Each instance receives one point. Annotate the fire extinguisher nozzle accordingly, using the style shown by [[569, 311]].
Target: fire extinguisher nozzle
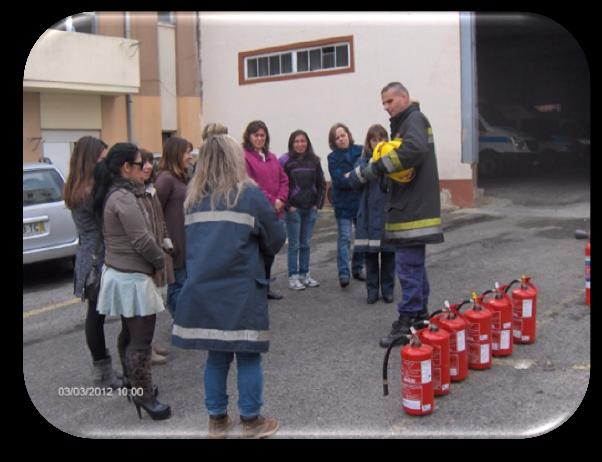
[[385, 389]]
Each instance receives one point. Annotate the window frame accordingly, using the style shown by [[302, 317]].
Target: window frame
[[293, 48]]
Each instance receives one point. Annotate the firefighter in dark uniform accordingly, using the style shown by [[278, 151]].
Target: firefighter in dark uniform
[[413, 206]]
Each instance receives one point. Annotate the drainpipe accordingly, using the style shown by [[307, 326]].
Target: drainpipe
[[128, 98]]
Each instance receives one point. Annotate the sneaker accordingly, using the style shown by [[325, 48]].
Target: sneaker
[[219, 426], [259, 427], [400, 327], [294, 283], [344, 282], [360, 276], [308, 281], [388, 298], [372, 299], [157, 359], [160, 349]]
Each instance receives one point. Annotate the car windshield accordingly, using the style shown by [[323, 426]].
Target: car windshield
[[495, 117], [41, 187]]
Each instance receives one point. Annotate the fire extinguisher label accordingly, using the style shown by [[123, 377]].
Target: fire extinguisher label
[[426, 370], [527, 308], [485, 353], [505, 339], [461, 341], [412, 396], [417, 372], [507, 325]]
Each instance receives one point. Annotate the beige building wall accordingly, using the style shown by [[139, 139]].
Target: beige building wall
[[167, 75], [188, 78], [146, 122], [70, 111], [421, 50], [32, 130], [114, 119], [146, 105]]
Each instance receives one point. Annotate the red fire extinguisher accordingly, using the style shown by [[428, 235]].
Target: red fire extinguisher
[[451, 321], [431, 334], [501, 327], [417, 390], [478, 336], [580, 234], [524, 310]]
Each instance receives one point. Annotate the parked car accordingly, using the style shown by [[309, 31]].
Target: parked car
[[502, 145], [48, 229]]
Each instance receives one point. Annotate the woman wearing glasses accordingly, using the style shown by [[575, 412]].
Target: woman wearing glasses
[[132, 257]]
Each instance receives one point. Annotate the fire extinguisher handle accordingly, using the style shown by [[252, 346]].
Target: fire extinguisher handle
[[397, 342]]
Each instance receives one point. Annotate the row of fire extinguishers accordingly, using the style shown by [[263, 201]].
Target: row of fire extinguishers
[[455, 339]]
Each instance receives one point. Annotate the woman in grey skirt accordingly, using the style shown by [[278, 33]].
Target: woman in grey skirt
[[88, 151], [132, 256]]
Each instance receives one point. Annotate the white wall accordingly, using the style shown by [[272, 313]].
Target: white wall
[[421, 50]]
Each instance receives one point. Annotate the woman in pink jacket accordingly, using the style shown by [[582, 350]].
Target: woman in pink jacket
[[264, 168]]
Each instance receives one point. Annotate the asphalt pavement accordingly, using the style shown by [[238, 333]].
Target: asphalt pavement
[[323, 373]]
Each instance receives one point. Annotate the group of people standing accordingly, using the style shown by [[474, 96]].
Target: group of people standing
[[204, 246]]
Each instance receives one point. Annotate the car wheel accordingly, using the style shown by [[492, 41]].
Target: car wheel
[[489, 166]]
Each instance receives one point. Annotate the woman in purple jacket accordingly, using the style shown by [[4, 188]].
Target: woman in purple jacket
[[264, 168]]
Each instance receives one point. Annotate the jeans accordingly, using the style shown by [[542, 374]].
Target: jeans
[[380, 276], [343, 246], [299, 229], [173, 290], [411, 270], [250, 383]]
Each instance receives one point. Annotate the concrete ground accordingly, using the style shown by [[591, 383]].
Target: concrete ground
[[323, 371]]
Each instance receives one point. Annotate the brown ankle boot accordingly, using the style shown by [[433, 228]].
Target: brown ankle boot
[[218, 426], [259, 427]]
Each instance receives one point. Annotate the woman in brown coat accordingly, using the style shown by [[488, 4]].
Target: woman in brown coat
[[159, 229], [171, 188]]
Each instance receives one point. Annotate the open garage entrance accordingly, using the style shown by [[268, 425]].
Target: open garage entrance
[[533, 87]]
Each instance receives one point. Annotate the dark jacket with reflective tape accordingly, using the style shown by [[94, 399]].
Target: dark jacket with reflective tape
[[413, 208], [223, 304]]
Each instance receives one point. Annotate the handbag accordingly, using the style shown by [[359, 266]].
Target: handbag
[[92, 284]]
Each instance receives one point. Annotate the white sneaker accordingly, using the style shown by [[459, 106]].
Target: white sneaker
[[294, 283], [308, 281]]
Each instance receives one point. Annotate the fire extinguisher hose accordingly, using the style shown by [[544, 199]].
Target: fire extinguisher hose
[[515, 281], [397, 342]]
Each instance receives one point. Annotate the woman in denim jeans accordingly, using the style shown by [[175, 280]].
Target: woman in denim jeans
[[305, 197], [345, 199], [223, 308]]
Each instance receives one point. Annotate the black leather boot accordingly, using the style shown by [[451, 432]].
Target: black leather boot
[[142, 391]]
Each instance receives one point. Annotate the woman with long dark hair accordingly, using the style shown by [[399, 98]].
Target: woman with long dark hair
[[86, 155], [171, 189], [305, 197], [264, 168], [132, 257]]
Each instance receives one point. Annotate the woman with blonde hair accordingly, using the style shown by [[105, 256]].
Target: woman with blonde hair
[[86, 155], [231, 228], [171, 189]]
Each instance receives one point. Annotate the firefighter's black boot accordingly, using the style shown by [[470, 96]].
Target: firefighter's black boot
[[400, 328]]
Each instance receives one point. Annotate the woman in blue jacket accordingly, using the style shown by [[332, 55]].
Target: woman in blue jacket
[[223, 308], [380, 277], [345, 199]]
